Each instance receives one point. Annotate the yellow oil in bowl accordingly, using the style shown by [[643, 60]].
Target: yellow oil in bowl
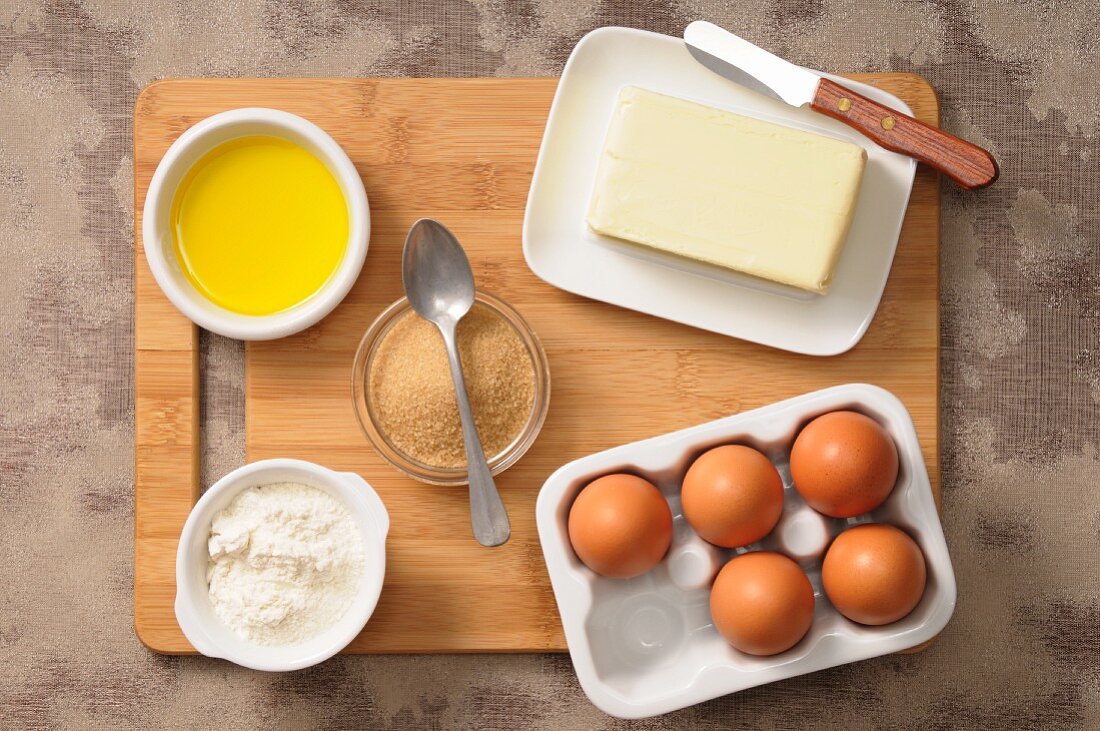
[[259, 224]]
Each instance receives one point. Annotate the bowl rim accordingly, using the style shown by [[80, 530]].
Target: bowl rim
[[440, 475], [361, 500], [204, 136]]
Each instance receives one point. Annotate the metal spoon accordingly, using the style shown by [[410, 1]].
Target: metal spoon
[[440, 286]]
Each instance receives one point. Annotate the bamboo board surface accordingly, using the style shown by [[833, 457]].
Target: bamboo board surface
[[463, 151]]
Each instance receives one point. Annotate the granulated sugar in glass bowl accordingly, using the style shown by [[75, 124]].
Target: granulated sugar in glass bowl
[[404, 395]]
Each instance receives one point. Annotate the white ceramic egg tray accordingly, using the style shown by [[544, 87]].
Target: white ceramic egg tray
[[646, 646]]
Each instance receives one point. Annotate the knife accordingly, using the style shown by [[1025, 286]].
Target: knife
[[740, 61]]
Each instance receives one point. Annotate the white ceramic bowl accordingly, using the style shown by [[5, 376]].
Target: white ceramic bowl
[[196, 617], [156, 223]]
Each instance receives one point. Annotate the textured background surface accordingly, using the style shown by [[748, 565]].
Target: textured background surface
[[1021, 366]]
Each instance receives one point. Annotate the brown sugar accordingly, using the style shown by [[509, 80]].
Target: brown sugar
[[414, 398]]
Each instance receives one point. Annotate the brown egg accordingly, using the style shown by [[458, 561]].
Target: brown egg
[[620, 526], [732, 496], [762, 603], [844, 464], [874, 574]]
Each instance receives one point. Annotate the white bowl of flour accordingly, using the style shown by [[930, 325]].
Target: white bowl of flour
[[280, 564]]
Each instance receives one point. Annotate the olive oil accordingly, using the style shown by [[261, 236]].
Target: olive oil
[[259, 224]]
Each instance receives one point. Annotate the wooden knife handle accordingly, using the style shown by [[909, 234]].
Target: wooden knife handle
[[967, 164]]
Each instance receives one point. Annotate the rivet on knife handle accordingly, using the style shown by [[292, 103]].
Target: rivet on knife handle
[[967, 164]]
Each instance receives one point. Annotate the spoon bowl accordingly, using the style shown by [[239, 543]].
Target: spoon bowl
[[436, 273]]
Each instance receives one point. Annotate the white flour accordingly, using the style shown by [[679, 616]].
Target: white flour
[[285, 563]]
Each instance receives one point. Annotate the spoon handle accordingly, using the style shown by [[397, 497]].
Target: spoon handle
[[490, 520]]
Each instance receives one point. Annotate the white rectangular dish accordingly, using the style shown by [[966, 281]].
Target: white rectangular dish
[[646, 646], [563, 251]]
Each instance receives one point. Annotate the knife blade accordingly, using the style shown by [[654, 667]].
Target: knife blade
[[780, 79], [742, 62]]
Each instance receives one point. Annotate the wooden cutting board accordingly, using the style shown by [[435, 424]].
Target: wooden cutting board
[[463, 151]]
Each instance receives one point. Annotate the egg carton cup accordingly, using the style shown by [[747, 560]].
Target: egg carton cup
[[647, 645]]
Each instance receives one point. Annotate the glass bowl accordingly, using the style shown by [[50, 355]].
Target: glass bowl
[[365, 412]]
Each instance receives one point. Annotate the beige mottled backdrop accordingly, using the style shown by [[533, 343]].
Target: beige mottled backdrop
[[1021, 359]]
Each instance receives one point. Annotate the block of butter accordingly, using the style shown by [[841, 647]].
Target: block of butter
[[741, 193]]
